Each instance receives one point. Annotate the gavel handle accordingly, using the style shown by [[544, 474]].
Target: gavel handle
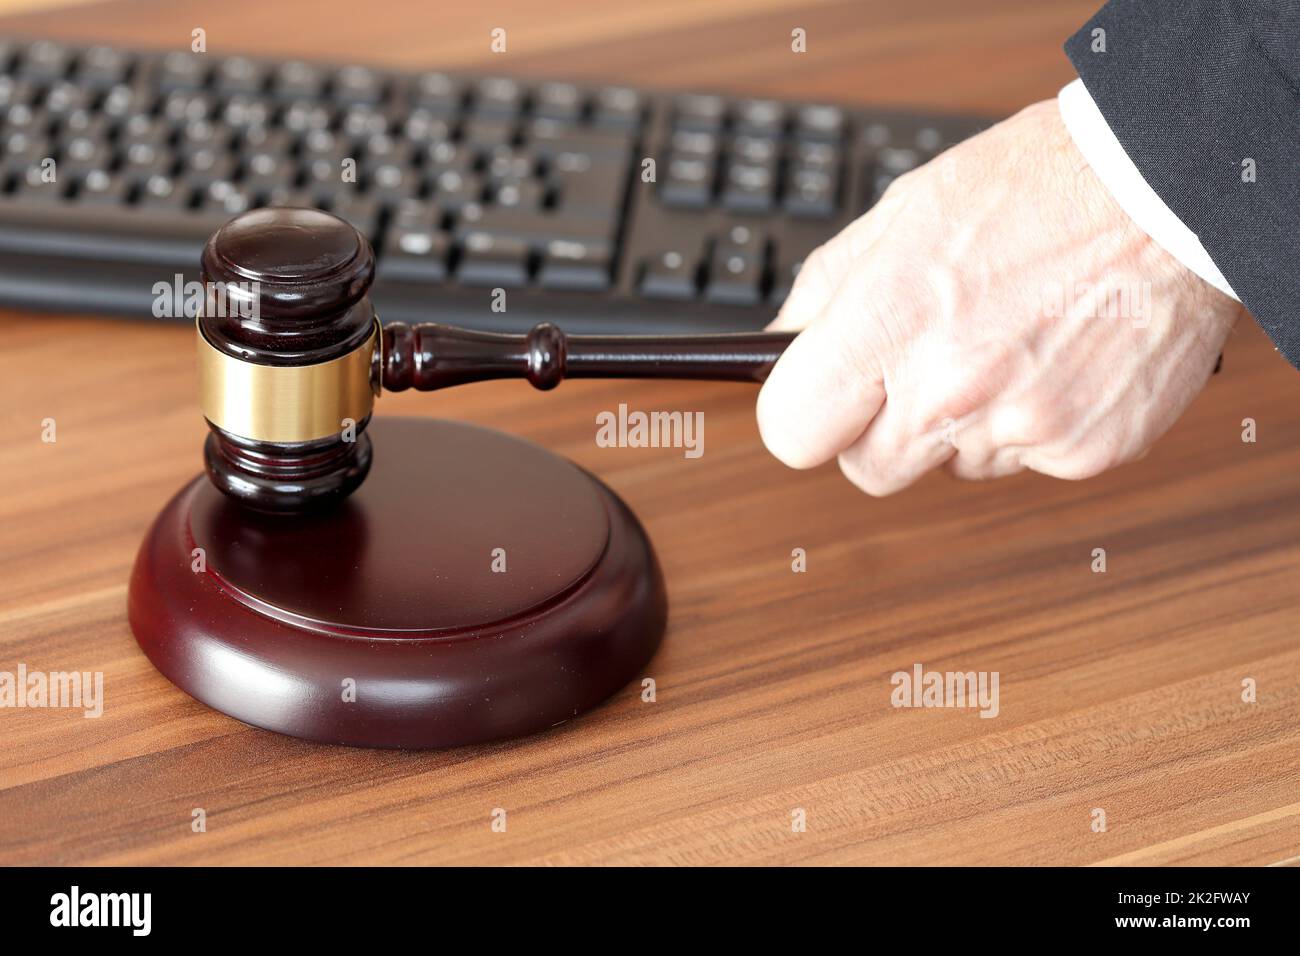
[[430, 356]]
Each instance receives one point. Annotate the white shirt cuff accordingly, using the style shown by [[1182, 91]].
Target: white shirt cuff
[[1124, 182]]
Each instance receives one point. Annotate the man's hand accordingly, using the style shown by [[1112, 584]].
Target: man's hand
[[996, 310]]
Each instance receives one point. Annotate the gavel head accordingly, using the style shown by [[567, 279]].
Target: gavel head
[[289, 353]]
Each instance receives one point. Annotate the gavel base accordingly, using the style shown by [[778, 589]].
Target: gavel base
[[476, 587]]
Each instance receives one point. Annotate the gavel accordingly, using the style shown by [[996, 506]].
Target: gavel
[[292, 358]]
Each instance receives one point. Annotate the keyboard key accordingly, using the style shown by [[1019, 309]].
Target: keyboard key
[[361, 211], [321, 142], [390, 182], [617, 107], [322, 176], [82, 154], [698, 111], [441, 157], [820, 122], [427, 264], [810, 155], [85, 123], [363, 120], [744, 239], [63, 98], [523, 194], [382, 148], [33, 186], [21, 149], [755, 149], [549, 137], [107, 234], [734, 278], [203, 167], [264, 172], [581, 266], [144, 129], [262, 140], [498, 96], [126, 100], [139, 161], [875, 135], [45, 60], [749, 187], [290, 196], [687, 142], [436, 92], [301, 116], [14, 91], [223, 197], [558, 101], [182, 71], [188, 106], [358, 84], [417, 215], [101, 188], [493, 261], [298, 80], [670, 275], [417, 247], [897, 161], [929, 139], [204, 135], [423, 126], [487, 131], [454, 190], [245, 112], [888, 165], [163, 192], [689, 182], [760, 116], [505, 162], [810, 194], [595, 193], [23, 117], [238, 74], [102, 67], [525, 226]]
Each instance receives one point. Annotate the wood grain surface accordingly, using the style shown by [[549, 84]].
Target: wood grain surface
[[1119, 691]]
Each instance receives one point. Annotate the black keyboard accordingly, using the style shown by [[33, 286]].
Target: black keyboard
[[600, 208]]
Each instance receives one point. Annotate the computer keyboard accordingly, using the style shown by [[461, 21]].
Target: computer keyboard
[[602, 208]]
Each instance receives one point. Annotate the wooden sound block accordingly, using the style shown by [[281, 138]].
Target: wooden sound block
[[387, 621]]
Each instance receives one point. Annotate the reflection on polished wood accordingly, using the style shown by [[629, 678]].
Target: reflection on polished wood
[[1120, 691]]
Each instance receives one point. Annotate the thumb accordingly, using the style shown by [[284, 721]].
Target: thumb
[[827, 387]]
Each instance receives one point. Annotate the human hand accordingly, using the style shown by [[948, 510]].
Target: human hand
[[995, 311]]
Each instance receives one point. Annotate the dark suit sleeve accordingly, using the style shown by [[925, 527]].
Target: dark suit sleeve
[[1192, 89]]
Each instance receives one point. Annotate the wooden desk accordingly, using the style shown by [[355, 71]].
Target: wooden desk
[[1120, 691]]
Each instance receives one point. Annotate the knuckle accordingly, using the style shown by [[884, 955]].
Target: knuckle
[[1029, 422]]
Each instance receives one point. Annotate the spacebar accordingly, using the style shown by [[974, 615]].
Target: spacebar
[[106, 233]]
